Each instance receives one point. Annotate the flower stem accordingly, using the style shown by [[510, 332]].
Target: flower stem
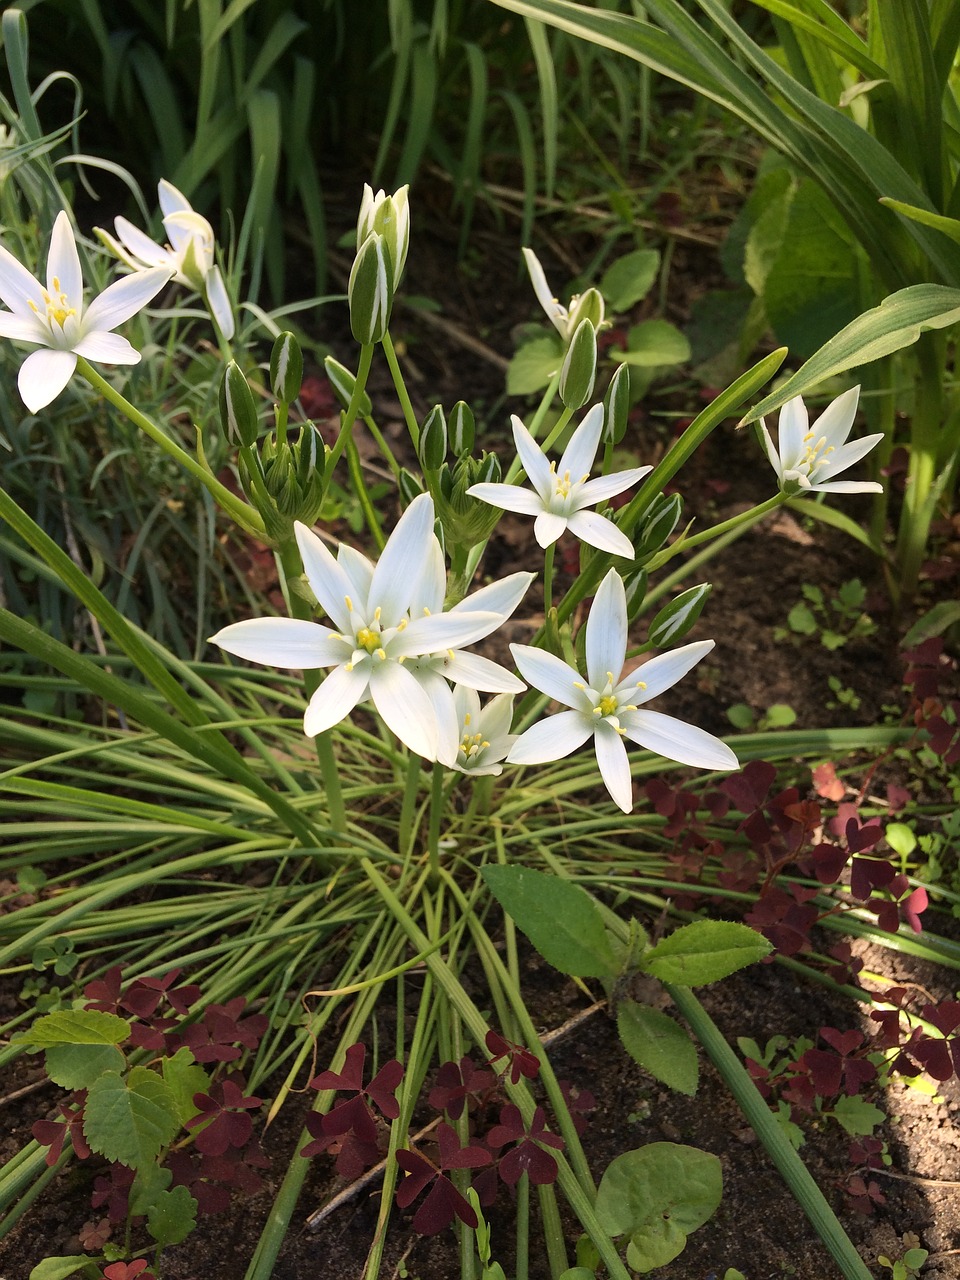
[[353, 408], [806, 1192], [436, 810], [408, 414], [742, 522], [235, 507], [548, 579]]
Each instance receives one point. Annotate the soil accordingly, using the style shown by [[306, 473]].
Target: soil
[[759, 1228]]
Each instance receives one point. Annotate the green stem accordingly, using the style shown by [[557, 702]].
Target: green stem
[[548, 579], [806, 1192], [739, 523], [410, 789], [362, 494], [667, 584], [235, 507], [353, 408], [401, 388], [436, 812]]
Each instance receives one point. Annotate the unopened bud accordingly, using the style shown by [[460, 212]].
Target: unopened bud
[[310, 454], [344, 385], [461, 429], [370, 291], [586, 306], [616, 406], [660, 523], [636, 590], [238, 409], [409, 486], [676, 619], [579, 367], [389, 217], [286, 368], [433, 439], [488, 470]]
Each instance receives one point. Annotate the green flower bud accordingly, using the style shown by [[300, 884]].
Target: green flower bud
[[344, 383], [409, 486], [461, 429], [675, 619], [286, 368], [311, 456], [488, 470], [616, 406], [465, 520], [636, 590], [388, 216], [660, 523], [444, 483], [433, 439], [238, 409], [370, 291], [579, 367], [586, 306]]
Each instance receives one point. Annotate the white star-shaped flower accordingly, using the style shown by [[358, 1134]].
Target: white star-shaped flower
[[609, 709], [563, 491], [55, 319], [483, 733], [809, 457]]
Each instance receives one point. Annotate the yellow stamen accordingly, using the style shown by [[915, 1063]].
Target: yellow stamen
[[607, 705]]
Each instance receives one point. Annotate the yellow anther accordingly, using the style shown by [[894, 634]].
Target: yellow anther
[[348, 666], [451, 655], [381, 654], [369, 640], [376, 614], [426, 612], [402, 624], [607, 705], [466, 720], [349, 603], [578, 684], [641, 684]]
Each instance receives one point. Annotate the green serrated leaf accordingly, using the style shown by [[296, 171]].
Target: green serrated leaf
[[857, 1116], [629, 278], [130, 1119], [74, 1026], [60, 1268], [534, 365], [148, 1184], [659, 1045], [559, 918], [173, 1216], [184, 1077], [705, 951], [77, 1066]]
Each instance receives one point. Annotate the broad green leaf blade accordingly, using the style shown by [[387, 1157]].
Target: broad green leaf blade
[[659, 1045], [653, 344], [705, 951], [534, 365], [172, 1217], [558, 917], [630, 278], [184, 1077], [130, 1119], [78, 1066], [898, 322], [75, 1026]]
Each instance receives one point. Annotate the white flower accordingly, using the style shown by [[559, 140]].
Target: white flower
[[55, 319], [190, 253], [565, 320], [483, 733], [384, 622], [609, 709], [809, 457], [563, 490]]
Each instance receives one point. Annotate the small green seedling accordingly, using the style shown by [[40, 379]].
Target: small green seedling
[[836, 620]]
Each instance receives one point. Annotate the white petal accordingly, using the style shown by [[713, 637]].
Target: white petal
[[614, 765], [535, 464], [124, 298], [676, 740], [837, 419], [18, 288], [289, 643], [594, 491], [663, 671], [772, 456], [431, 585], [847, 454], [510, 497], [443, 631], [552, 739], [551, 676], [446, 715], [63, 263], [22, 328], [339, 693], [847, 486], [106, 348], [358, 569], [557, 313], [219, 302], [43, 375], [548, 527], [171, 200], [405, 707], [500, 597], [141, 246], [792, 426], [475, 672], [600, 532], [582, 449], [607, 631], [496, 718], [330, 584], [398, 569]]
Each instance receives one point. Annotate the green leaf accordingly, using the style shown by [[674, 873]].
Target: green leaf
[[629, 279], [184, 1076], [653, 344], [131, 1120], [900, 838], [534, 365], [857, 1116], [741, 715], [705, 951], [933, 623], [658, 1196], [780, 716], [60, 1268], [173, 1216], [77, 1066], [559, 918], [74, 1026], [659, 1045], [149, 1183], [801, 620]]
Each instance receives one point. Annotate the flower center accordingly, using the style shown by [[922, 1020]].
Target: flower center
[[607, 705], [815, 455], [368, 639], [58, 305], [472, 744]]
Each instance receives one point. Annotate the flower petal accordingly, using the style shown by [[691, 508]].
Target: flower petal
[[663, 671], [837, 419], [406, 708], [600, 532], [330, 583], [538, 469], [106, 348], [500, 597], [289, 643], [339, 693], [18, 288], [218, 301], [22, 328], [582, 448], [593, 491], [43, 375], [607, 631], [398, 570], [443, 631], [847, 454], [509, 497], [358, 569], [551, 676], [676, 740], [847, 486], [124, 298], [557, 313], [431, 586], [614, 765], [140, 246], [772, 456], [792, 425], [171, 200], [64, 275], [445, 713], [548, 527], [475, 672], [552, 738]]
